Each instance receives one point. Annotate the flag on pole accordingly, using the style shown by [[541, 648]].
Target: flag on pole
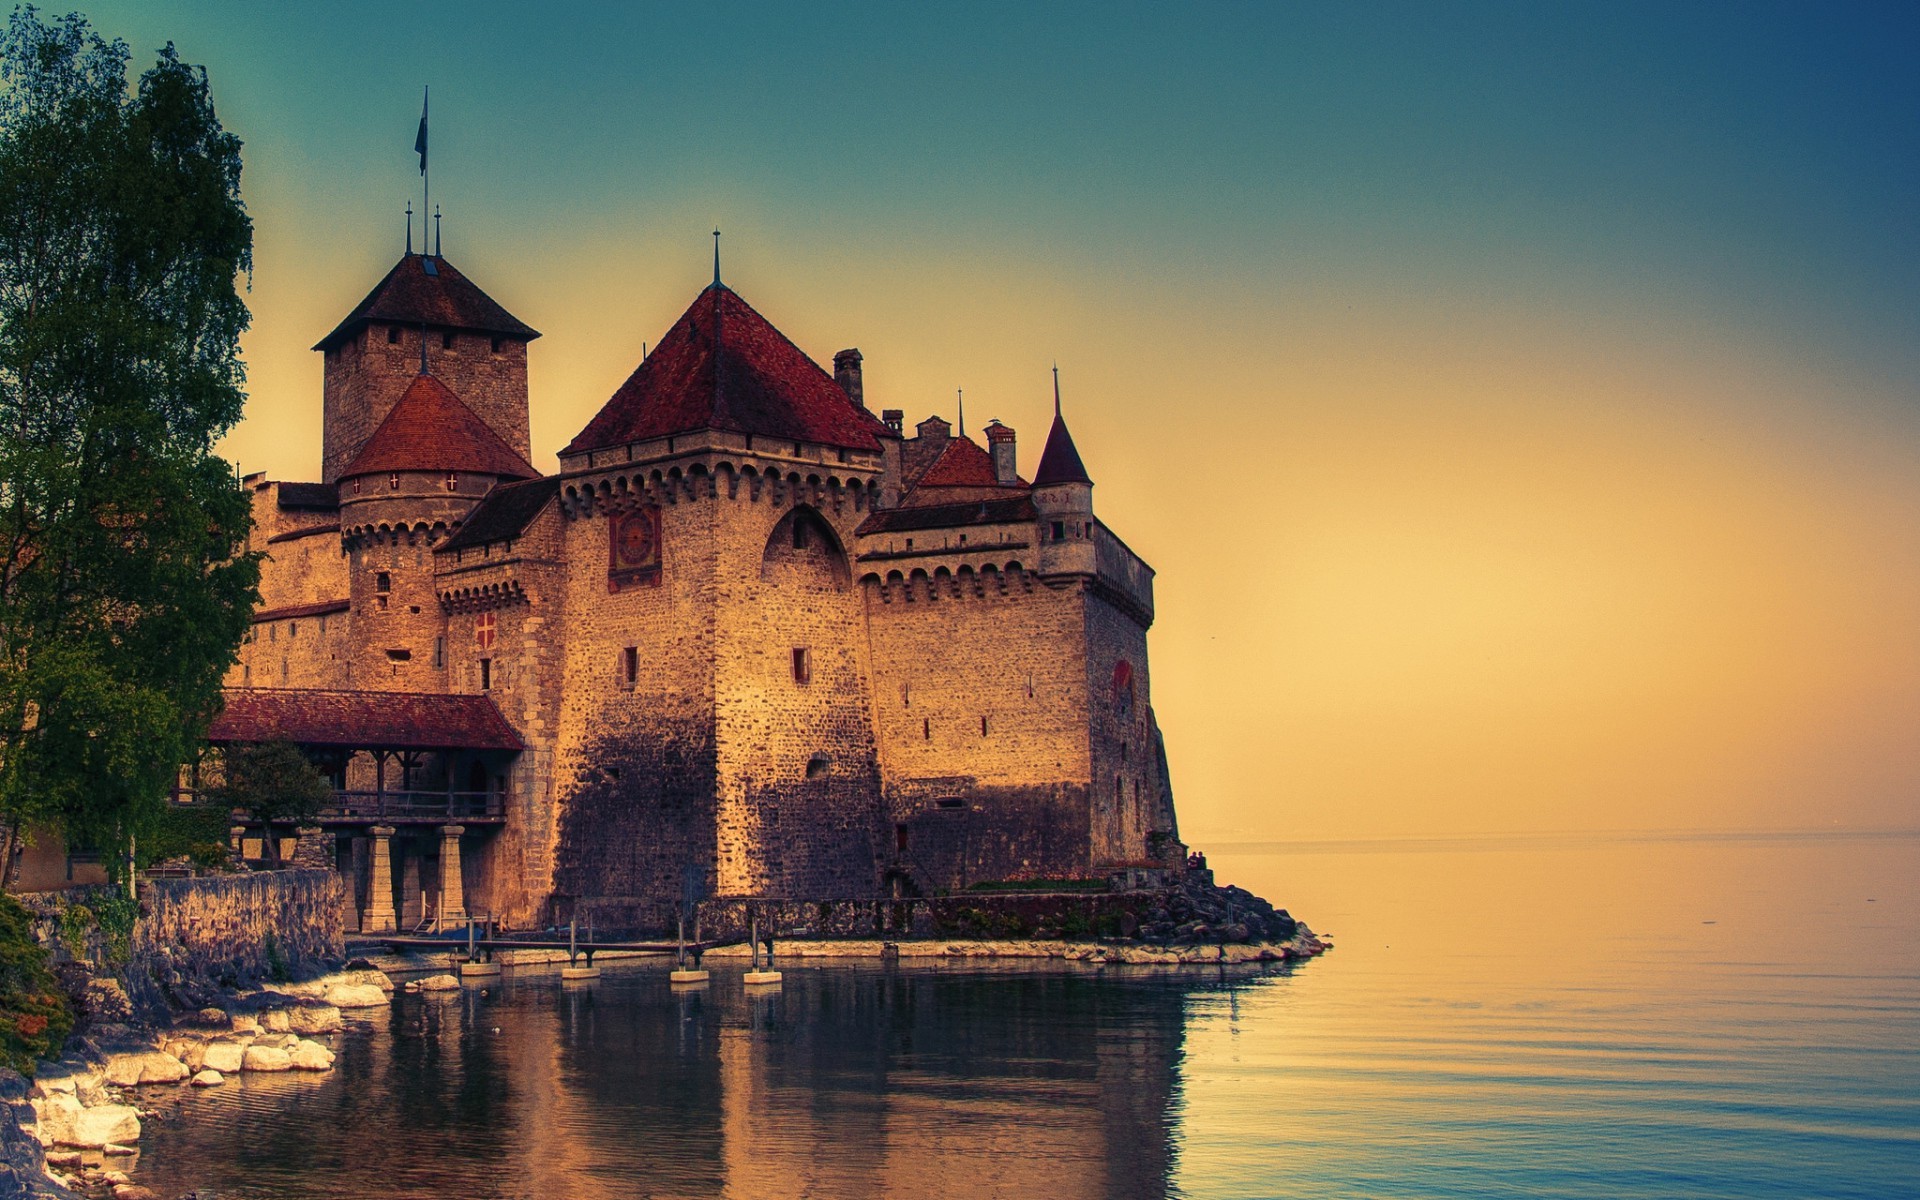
[[420, 139]]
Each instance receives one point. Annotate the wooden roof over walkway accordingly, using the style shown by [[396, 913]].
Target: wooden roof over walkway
[[363, 720]]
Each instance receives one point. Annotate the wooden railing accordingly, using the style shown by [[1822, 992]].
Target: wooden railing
[[402, 804]]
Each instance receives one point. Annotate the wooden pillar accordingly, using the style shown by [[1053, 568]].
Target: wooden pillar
[[378, 915]]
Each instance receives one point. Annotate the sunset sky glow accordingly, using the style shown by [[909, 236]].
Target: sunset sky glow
[[1520, 403]]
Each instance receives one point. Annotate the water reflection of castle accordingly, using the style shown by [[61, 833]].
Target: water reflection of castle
[[846, 1082]]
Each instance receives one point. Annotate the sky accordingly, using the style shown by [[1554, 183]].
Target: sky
[[1520, 403]]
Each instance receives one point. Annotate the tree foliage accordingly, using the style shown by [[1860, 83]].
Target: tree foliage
[[274, 782], [124, 591]]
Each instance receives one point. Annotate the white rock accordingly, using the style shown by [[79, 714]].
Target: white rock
[[266, 1058], [315, 1018], [150, 1066], [223, 1057], [209, 1078], [63, 1122], [115, 1150], [310, 1056], [245, 1024], [116, 1177], [48, 1085], [275, 1021], [440, 983], [355, 995]]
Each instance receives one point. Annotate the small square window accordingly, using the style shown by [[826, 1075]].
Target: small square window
[[446, 341], [802, 665], [393, 335], [383, 581], [1059, 531]]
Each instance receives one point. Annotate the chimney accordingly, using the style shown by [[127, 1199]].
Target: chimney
[[893, 419], [846, 373], [1000, 443]]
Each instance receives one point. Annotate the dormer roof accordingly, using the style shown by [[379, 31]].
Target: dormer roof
[[429, 290], [431, 429], [724, 366]]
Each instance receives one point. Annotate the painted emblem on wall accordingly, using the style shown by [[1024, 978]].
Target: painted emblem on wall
[[483, 627], [633, 548], [1123, 687]]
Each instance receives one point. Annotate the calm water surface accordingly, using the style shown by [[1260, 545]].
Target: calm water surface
[[1593, 1018]]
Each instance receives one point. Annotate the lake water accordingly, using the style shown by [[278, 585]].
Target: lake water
[[1621, 1018]]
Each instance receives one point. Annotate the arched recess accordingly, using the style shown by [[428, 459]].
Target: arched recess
[[804, 551]]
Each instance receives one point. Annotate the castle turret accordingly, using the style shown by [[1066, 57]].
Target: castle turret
[[412, 483], [476, 346], [1063, 495]]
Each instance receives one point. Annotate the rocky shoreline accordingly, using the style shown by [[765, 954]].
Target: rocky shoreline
[[62, 1135]]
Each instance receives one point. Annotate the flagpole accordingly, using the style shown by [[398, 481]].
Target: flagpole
[[426, 162]]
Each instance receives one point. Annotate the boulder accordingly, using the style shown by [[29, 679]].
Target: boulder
[[275, 1020], [244, 1023], [115, 1150], [355, 995], [209, 1078], [439, 983], [223, 1057], [149, 1066], [265, 1058], [64, 1122], [133, 1191], [310, 1056], [314, 1018]]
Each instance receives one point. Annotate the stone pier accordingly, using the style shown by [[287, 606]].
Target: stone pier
[[378, 916]]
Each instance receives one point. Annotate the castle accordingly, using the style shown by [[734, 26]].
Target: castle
[[752, 638]]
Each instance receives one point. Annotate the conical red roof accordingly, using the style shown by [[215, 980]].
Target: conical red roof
[[724, 366], [431, 429], [442, 298]]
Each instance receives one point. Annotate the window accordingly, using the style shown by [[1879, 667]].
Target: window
[[909, 543], [802, 666], [273, 632], [1123, 752], [926, 729], [393, 335], [983, 726], [486, 674], [440, 651], [1116, 789], [446, 341], [356, 487], [1059, 531], [817, 766], [899, 837], [283, 671], [323, 624], [246, 673], [399, 656], [393, 482], [630, 665], [453, 482], [293, 629], [496, 345], [950, 803], [382, 585], [906, 695]]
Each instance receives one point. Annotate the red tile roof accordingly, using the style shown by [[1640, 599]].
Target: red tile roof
[[367, 720], [445, 299], [724, 366], [1005, 507], [961, 464], [431, 429]]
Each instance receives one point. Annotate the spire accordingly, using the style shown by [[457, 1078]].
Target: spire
[[716, 258], [1060, 460], [409, 227], [436, 231], [960, 402]]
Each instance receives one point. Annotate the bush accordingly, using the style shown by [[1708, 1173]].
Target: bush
[[194, 831], [35, 1016]]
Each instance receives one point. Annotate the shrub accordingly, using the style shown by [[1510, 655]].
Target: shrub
[[35, 1015]]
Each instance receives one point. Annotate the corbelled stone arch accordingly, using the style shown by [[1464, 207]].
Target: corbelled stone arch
[[803, 550]]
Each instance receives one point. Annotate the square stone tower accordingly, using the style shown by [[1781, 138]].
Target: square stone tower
[[423, 311]]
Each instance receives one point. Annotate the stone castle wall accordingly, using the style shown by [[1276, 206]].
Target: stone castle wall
[[366, 373]]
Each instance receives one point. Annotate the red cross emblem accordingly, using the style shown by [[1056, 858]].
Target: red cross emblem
[[483, 631]]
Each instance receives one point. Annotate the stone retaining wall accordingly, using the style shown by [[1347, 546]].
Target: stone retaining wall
[[195, 936]]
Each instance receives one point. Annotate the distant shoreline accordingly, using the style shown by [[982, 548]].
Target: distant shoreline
[[1429, 843]]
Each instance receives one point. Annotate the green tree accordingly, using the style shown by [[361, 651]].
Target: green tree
[[124, 591], [274, 782]]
